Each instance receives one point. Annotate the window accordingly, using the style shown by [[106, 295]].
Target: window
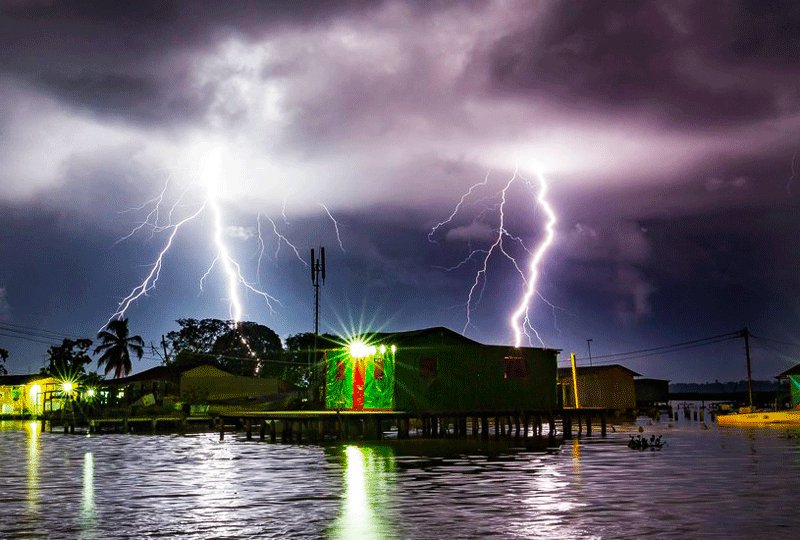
[[378, 373], [515, 368], [340, 369], [427, 367]]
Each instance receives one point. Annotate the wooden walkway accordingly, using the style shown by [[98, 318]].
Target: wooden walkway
[[318, 426]]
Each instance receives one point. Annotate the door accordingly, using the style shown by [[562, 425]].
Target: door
[[359, 373]]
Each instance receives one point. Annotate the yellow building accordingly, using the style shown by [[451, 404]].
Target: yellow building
[[23, 395], [607, 387]]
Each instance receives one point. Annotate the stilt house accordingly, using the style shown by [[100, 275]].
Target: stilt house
[[438, 370]]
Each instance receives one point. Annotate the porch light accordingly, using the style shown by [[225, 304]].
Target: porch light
[[90, 392], [359, 349], [67, 387], [382, 349]]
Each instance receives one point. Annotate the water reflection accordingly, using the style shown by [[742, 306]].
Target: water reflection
[[369, 477], [33, 430], [87, 499]]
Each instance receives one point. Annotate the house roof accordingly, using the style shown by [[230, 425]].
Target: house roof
[[794, 370], [17, 380], [159, 373], [563, 372], [399, 338]]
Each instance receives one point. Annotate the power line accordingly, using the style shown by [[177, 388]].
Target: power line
[[30, 330], [663, 349], [790, 343]]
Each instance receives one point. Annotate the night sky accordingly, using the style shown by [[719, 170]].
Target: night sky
[[668, 134]]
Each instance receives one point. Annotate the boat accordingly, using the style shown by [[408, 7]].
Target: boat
[[750, 416], [759, 418]]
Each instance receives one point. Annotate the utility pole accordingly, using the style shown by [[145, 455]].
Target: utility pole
[[589, 344], [164, 345], [745, 333], [317, 278]]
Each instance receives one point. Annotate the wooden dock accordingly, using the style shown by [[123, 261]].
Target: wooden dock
[[328, 425]]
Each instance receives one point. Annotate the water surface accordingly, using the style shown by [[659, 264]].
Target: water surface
[[704, 483]]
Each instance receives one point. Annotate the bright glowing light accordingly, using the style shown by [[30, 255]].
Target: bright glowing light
[[359, 349], [67, 387], [394, 349], [90, 392], [382, 349]]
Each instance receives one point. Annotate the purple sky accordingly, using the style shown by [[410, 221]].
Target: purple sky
[[668, 133]]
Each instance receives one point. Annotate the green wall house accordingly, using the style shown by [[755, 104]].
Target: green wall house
[[438, 370]]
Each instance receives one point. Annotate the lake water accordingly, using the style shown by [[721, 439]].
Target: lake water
[[714, 482]]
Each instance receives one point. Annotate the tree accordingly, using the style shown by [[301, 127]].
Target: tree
[[196, 336], [301, 365], [3, 358], [116, 346], [249, 348], [67, 361]]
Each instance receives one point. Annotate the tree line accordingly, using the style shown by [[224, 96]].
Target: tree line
[[246, 348]]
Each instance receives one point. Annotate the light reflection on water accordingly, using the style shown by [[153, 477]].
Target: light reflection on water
[[715, 482]]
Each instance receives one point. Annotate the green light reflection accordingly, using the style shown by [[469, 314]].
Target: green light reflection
[[369, 477]]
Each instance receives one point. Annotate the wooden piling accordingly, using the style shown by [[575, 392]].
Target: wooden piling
[[566, 423]]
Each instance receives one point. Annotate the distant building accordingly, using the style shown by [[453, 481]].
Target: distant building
[[202, 384], [438, 370], [792, 375], [651, 392], [26, 395], [608, 387]]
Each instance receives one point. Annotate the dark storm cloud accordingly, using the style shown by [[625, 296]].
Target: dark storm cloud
[[134, 59], [685, 62]]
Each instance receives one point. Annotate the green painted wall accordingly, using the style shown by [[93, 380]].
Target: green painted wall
[[469, 376], [378, 393]]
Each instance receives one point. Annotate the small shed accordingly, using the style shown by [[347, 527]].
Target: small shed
[[608, 387], [438, 370], [651, 392]]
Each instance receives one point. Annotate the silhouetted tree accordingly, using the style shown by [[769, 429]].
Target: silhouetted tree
[[116, 346], [67, 361], [3, 358], [301, 362], [196, 336], [250, 348]]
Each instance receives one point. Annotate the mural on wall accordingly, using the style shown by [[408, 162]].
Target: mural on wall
[[360, 377]]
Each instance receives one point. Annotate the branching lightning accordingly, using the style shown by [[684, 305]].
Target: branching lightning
[[335, 225], [208, 178], [520, 320]]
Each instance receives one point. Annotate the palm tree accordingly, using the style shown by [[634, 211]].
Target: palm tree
[[116, 346]]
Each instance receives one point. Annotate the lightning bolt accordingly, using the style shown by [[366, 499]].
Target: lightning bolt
[[335, 225], [209, 177], [519, 321]]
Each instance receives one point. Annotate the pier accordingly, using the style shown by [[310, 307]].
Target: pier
[[327, 425]]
